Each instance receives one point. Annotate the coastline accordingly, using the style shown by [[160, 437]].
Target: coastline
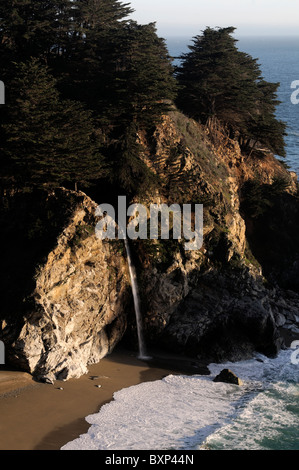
[[37, 416]]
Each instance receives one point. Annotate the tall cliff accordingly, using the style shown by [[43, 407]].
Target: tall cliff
[[64, 292], [233, 296], [66, 297]]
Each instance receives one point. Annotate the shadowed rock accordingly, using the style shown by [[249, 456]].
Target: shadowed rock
[[228, 377]]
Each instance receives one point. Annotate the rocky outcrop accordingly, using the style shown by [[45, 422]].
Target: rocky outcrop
[[228, 377], [214, 304], [226, 316], [76, 312]]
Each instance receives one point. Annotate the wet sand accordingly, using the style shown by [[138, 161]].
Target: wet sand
[[35, 416]]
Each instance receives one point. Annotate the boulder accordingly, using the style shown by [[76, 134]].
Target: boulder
[[228, 377]]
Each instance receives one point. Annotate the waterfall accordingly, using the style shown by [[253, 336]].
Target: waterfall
[[142, 349], [2, 353]]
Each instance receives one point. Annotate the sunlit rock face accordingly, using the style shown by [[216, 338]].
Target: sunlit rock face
[[76, 311]]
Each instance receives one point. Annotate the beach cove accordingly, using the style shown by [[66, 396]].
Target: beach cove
[[37, 416], [40, 416]]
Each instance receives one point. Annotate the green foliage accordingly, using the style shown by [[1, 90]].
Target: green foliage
[[263, 125], [218, 80], [84, 79], [105, 78], [126, 75], [48, 139], [143, 82], [160, 253], [126, 166], [32, 29], [258, 198]]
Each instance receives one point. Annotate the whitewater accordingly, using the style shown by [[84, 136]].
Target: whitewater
[[195, 413]]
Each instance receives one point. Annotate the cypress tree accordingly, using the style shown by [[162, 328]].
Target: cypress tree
[[85, 73], [143, 82], [139, 90], [264, 127], [118, 70], [128, 170], [31, 29], [218, 80], [48, 140]]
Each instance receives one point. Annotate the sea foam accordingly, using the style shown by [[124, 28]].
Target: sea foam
[[187, 413]]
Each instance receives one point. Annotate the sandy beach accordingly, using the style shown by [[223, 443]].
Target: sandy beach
[[37, 416]]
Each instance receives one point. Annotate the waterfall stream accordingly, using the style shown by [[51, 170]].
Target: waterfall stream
[[141, 342]]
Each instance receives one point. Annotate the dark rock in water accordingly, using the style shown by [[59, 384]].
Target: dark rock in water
[[228, 377], [221, 320]]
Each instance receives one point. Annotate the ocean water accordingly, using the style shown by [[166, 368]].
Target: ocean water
[[194, 413], [279, 62]]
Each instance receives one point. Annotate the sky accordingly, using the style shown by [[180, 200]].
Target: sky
[[189, 17]]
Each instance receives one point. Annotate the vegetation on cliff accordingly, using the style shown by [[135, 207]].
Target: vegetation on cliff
[[113, 77], [48, 140], [83, 80], [90, 92], [93, 103], [218, 80]]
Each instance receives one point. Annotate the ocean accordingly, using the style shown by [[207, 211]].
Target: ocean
[[194, 413]]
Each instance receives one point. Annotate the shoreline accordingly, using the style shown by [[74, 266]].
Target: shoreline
[[37, 416]]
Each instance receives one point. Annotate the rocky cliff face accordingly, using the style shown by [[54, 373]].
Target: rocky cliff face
[[75, 312], [66, 297], [217, 304]]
